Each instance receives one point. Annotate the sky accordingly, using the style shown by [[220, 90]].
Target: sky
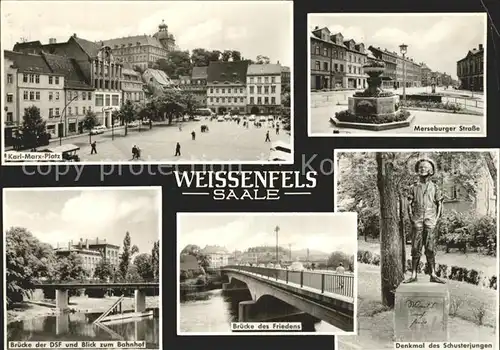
[[325, 233], [253, 28], [60, 215], [438, 40]]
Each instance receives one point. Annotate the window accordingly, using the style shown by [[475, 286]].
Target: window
[[259, 100], [51, 95], [223, 99], [273, 100], [84, 96], [25, 78], [76, 96], [316, 50], [266, 80], [266, 89], [10, 97], [325, 51], [51, 112], [266, 100], [108, 100], [99, 100], [251, 89], [25, 95], [229, 91], [69, 111], [222, 91], [317, 65], [273, 80], [83, 109], [259, 89], [251, 79], [57, 112], [9, 78], [217, 100], [69, 96], [37, 79], [10, 118], [57, 80], [273, 89], [57, 95], [259, 79], [76, 110], [32, 95], [211, 90], [325, 66], [32, 78], [115, 100], [89, 95], [251, 100], [242, 99]]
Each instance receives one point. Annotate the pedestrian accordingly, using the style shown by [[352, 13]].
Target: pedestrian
[[268, 139], [277, 129], [193, 135], [180, 127], [178, 150], [93, 148], [134, 151], [340, 269]]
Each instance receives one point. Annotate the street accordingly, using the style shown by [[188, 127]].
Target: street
[[225, 141]]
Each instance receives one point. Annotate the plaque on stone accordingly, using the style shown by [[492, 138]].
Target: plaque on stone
[[421, 312]]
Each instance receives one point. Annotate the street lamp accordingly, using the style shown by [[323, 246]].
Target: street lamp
[[64, 113], [112, 122], [404, 48], [277, 229]]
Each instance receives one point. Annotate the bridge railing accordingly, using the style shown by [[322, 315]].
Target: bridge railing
[[342, 284], [93, 281]]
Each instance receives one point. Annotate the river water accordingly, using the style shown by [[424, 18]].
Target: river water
[[79, 326], [213, 311]]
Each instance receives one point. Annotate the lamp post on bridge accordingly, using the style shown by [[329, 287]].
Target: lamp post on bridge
[[277, 230]]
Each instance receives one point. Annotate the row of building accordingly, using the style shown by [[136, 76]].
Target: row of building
[[338, 63]]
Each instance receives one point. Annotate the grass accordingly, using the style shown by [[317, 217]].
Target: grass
[[479, 262]]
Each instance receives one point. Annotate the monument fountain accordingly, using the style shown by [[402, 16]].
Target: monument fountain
[[374, 108]]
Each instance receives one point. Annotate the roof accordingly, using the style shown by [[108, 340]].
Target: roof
[[130, 71], [188, 262], [28, 45], [231, 72], [99, 242], [285, 69], [160, 76], [199, 73], [141, 39], [264, 69], [214, 249], [90, 48], [26, 62], [68, 67]]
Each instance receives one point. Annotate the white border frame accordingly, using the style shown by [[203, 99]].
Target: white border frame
[[428, 150], [159, 195], [288, 5], [361, 133], [179, 217]]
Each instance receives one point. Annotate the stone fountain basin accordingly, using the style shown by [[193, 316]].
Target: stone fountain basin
[[380, 106]]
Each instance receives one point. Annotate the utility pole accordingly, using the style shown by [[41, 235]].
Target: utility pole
[[290, 251], [308, 255], [277, 229]]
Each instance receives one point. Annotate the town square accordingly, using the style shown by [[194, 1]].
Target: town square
[[178, 86], [394, 76]]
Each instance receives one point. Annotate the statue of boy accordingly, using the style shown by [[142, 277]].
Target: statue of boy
[[425, 207]]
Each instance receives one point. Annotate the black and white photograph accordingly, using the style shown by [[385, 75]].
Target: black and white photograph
[[427, 244], [82, 265], [397, 74], [184, 82], [266, 273]]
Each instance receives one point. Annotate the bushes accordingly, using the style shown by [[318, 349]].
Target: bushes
[[346, 116], [455, 273], [449, 106]]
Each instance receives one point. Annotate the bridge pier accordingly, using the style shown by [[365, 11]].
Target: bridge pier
[[62, 323], [233, 286], [140, 300], [62, 300], [247, 310]]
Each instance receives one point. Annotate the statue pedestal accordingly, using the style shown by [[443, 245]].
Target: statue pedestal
[[421, 312], [377, 106]]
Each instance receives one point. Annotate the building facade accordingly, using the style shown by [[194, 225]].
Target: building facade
[[143, 51], [328, 60], [426, 74], [216, 256], [356, 57], [470, 70], [132, 86], [285, 78], [11, 118], [264, 88], [198, 86], [101, 70], [226, 86], [37, 85]]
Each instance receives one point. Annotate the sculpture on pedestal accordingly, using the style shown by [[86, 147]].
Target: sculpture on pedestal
[[425, 208]]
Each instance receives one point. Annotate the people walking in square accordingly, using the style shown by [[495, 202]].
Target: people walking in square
[[277, 129], [93, 148], [193, 135], [178, 150], [268, 139]]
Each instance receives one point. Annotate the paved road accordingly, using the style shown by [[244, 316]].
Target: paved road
[[226, 141], [320, 124]]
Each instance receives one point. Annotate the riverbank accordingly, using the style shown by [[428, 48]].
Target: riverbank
[[25, 311]]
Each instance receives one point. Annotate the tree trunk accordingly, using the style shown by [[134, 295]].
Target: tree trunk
[[402, 228], [126, 129], [492, 169], [391, 269]]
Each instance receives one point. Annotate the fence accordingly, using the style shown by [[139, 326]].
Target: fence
[[342, 284]]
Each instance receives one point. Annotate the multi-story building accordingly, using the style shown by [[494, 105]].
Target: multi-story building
[[356, 57], [11, 117], [217, 256], [426, 73], [143, 51], [132, 86], [158, 81], [389, 77], [198, 86], [37, 85], [226, 86], [99, 67], [264, 88], [285, 78], [470, 70], [412, 72], [328, 60]]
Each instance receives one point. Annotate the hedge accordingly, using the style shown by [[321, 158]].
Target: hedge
[[454, 273]]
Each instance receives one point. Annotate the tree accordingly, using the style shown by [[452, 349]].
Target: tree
[[172, 104], [27, 259], [262, 59], [70, 268], [337, 257], [33, 127], [214, 56], [391, 263], [155, 259], [144, 264], [194, 250], [178, 63], [104, 270], [200, 57], [89, 122], [236, 55], [128, 251], [226, 55], [127, 114]]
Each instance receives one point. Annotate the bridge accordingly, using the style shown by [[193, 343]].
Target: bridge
[[62, 287], [324, 295]]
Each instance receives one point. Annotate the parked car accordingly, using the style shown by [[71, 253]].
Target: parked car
[[296, 266], [280, 152], [99, 129], [270, 118], [251, 118], [220, 118], [134, 124], [262, 119], [197, 119]]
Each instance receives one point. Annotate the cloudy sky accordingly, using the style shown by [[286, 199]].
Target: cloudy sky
[[60, 215], [325, 233], [253, 28], [438, 40]]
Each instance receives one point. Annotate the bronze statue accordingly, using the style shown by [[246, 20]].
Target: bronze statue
[[425, 208]]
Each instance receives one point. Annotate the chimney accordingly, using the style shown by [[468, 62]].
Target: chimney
[[52, 40], [74, 35], [480, 47], [97, 240], [86, 244], [69, 245], [278, 62]]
